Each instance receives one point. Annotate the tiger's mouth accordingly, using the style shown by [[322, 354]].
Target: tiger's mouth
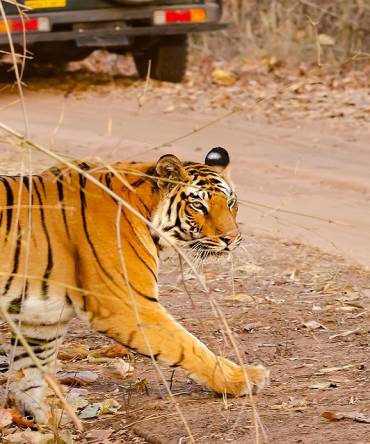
[[211, 247], [204, 250]]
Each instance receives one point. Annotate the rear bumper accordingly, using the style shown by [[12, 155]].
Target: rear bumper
[[112, 38], [101, 36]]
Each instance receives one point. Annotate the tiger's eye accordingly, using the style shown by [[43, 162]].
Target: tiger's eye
[[197, 205]]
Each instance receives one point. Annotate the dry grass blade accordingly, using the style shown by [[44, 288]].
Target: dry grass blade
[[141, 97], [317, 41]]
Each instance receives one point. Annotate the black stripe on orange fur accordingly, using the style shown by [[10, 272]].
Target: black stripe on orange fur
[[15, 261], [9, 204], [82, 181], [50, 262]]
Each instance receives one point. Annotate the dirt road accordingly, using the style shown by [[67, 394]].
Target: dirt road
[[307, 181], [296, 309]]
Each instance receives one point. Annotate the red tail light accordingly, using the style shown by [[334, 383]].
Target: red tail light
[[32, 24], [193, 15], [178, 16]]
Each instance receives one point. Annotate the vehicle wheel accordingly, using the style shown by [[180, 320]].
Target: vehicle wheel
[[168, 59], [142, 62]]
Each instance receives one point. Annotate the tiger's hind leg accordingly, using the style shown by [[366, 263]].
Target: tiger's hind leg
[[28, 388]]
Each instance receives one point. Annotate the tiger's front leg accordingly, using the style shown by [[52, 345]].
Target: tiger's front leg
[[155, 333]]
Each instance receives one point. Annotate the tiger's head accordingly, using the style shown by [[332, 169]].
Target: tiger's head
[[198, 204]]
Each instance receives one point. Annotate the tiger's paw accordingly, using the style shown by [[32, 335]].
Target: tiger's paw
[[28, 396], [257, 377], [240, 381]]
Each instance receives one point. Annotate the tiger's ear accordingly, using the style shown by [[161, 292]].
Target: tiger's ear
[[218, 158], [170, 167]]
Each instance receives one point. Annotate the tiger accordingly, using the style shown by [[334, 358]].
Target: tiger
[[85, 255]]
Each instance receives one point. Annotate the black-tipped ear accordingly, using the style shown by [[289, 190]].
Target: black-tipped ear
[[217, 157]]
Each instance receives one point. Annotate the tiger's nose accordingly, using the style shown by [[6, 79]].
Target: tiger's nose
[[230, 239]]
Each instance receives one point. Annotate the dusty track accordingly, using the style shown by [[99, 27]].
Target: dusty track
[[305, 181]]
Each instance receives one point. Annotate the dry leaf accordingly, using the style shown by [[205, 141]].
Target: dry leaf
[[77, 378], [78, 391], [297, 88], [169, 109], [9, 416], [251, 326], [325, 40], [248, 269], [91, 411], [77, 402], [242, 297], [354, 416], [113, 351], [119, 368], [323, 385], [99, 408], [28, 437], [33, 437], [222, 77], [272, 63], [110, 406], [6, 418], [292, 404], [99, 435], [71, 351], [20, 420], [348, 308], [314, 325]]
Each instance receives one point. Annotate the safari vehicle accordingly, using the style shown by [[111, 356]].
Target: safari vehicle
[[58, 31]]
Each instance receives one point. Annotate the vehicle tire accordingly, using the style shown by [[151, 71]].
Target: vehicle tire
[[168, 59], [142, 62]]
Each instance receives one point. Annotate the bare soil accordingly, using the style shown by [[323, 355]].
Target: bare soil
[[302, 311]]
